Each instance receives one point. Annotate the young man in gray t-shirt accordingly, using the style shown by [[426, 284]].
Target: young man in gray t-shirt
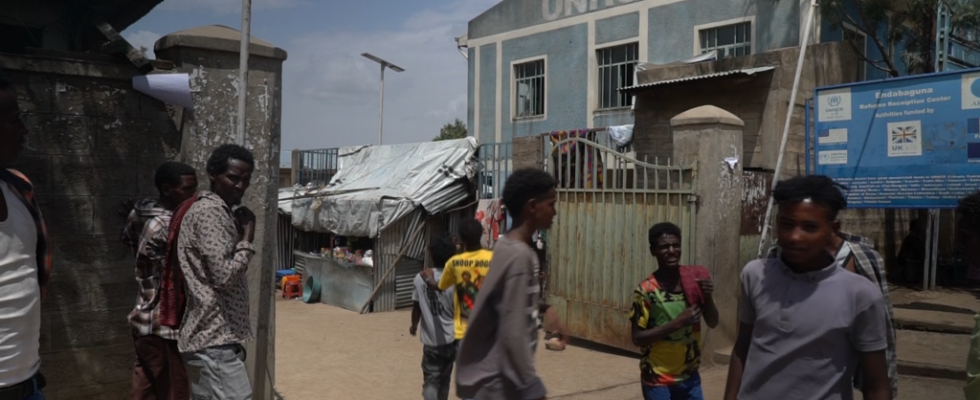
[[805, 322], [496, 357]]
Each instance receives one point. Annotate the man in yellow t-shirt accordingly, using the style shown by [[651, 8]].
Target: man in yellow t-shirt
[[465, 272]]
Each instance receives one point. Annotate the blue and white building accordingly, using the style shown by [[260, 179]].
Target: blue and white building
[[538, 66]]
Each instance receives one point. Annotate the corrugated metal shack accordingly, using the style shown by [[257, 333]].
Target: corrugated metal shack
[[398, 196]]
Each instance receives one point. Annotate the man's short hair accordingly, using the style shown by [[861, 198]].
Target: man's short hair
[[523, 185], [218, 162], [442, 249], [471, 233], [819, 189], [663, 228], [171, 172]]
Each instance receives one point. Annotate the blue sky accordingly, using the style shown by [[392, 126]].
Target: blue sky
[[330, 93]]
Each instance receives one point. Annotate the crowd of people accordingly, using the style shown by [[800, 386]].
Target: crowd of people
[[815, 321]]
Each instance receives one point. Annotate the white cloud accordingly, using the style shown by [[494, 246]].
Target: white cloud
[[226, 6], [331, 93], [144, 39]]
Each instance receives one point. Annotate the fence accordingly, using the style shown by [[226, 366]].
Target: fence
[[599, 251], [317, 166]]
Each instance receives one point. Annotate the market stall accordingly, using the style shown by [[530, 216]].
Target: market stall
[[388, 200]]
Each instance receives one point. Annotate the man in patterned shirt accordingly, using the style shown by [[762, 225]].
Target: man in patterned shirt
[[159, 370], [666, 323], [214, 247]]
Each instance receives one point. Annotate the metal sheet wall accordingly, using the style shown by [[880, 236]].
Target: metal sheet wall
[[598, 245], [389, 245], [285, 242], [396, 291]]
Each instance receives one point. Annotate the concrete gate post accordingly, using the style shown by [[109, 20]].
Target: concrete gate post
[[210, 55], [712, 137]]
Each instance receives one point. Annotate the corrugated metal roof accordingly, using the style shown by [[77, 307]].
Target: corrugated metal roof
[[750, 71], [377, 185]]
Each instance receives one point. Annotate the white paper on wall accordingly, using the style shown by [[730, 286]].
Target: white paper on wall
[[169, 88]]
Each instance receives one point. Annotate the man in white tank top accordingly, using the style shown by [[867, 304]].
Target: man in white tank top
[[21, 252]]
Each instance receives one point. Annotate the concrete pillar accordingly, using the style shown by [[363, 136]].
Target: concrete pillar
[[210, 55], [712, 137]]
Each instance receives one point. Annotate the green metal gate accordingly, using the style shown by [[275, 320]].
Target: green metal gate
[[598, 245]]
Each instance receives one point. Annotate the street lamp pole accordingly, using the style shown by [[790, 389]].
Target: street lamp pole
[[243, 68], [381, 109]]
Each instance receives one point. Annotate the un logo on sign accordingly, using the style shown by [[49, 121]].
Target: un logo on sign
[[975, 87], [834, 101]]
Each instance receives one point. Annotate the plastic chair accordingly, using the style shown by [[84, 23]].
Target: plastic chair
[[292, 290], [285, 279]]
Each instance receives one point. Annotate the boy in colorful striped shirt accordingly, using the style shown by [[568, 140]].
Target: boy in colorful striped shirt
[[666, 320]]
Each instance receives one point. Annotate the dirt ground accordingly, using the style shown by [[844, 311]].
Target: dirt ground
[[324, 352]]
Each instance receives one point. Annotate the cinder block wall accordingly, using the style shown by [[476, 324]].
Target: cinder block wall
[[94, 143]]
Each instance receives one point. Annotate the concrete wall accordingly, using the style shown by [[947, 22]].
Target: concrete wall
[[709, 136], [760, 100], [210, 56], [95, 143], [672, 27], [486, 124], [565, 81], [620, 27]]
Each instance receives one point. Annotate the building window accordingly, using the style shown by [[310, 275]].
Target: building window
[[529, 89], [860, 42], [616, 66], [729, 40]]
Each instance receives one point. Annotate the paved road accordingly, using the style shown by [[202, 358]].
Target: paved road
[[324, 352]]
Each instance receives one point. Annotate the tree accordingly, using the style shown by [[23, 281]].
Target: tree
[[888, 23], [455, 130]]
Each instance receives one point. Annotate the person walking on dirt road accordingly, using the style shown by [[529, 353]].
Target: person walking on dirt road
[[465, 272], [434, 309], [496, 357]]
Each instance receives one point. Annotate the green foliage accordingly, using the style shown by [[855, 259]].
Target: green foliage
[[908, 23], [455, 130]]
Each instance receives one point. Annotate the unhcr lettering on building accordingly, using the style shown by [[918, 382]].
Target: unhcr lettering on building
[[552, 10]]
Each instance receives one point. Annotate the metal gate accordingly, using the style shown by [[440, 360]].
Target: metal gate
[[598, 245]]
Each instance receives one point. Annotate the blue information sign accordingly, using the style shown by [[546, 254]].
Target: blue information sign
[[902, 143]]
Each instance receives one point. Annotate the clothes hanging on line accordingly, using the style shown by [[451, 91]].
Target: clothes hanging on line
[[577, 162], [490, 214]]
